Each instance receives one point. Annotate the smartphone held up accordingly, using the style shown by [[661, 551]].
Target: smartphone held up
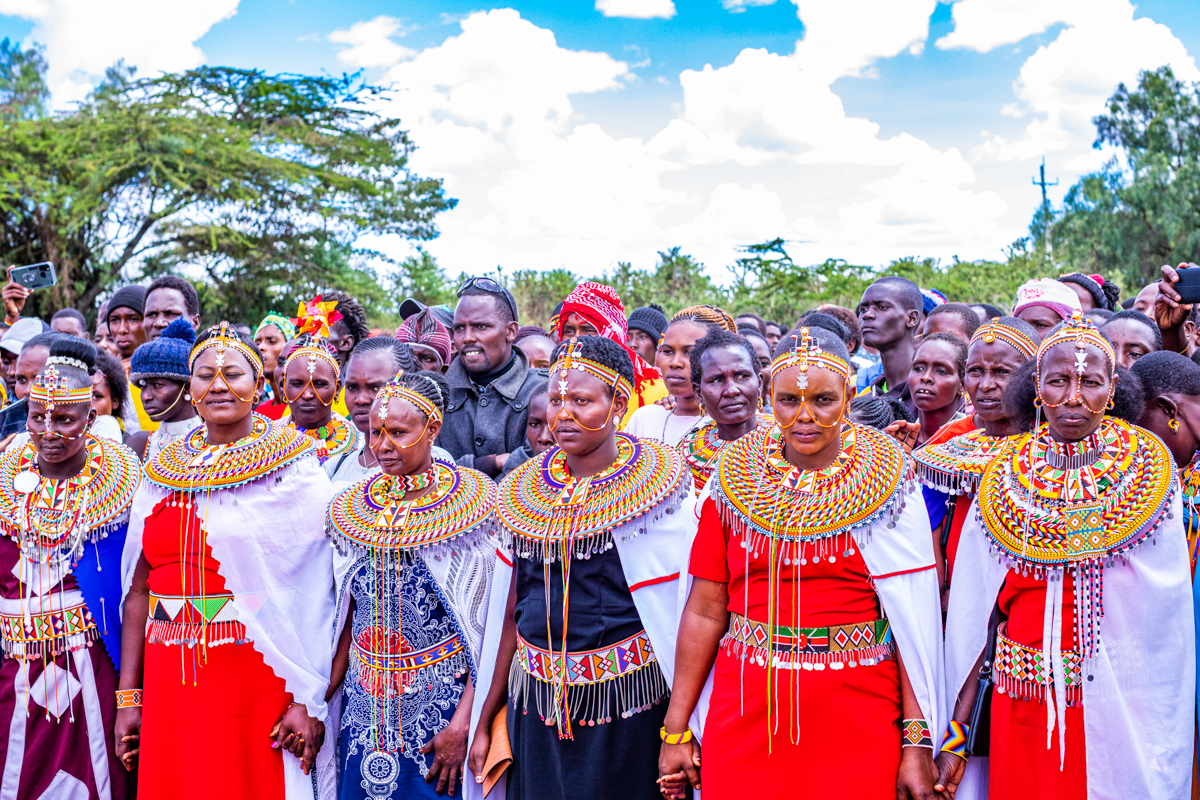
[[34, 276]]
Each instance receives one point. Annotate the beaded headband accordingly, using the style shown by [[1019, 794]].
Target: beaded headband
[[49, 387], [808, 353], [1082, 332], [68, 362], [992, 330], [223, 336], [572, 358], [395, 389], [319, 348]]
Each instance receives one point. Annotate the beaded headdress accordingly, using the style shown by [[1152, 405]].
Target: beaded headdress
[[572, 358], [225, 336], [315, 347], [396, 388], [993, 329], [1082, 332], [808, 353], [50, 387]]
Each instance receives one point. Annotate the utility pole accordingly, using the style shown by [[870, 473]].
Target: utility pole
[[1041, 181]]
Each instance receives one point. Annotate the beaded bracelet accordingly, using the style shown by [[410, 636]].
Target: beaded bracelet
[[916, 734], [129, 698], [955, 740], [675, 738]]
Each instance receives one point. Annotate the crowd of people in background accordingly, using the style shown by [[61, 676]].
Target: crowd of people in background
[[913, 549]]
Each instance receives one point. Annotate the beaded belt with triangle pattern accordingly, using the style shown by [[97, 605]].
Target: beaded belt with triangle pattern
[[190, 620], [858, 644]]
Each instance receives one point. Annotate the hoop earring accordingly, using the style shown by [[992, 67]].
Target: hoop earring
[[1173, 424], [1111, 405]]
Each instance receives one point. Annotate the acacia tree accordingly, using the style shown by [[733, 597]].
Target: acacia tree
[[261, 182]]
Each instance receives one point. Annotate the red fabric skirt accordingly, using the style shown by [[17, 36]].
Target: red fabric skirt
[[1020, 767], [842, 715], [205, 725]]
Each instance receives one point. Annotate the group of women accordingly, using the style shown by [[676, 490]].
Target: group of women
[[323, 607]]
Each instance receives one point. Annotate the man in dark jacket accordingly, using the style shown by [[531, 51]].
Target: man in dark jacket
[[490, 380]]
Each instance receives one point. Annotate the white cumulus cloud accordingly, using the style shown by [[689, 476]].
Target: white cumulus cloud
[[637, 9], [757, 148], [1065, 83], [85, 37], [370, 44]]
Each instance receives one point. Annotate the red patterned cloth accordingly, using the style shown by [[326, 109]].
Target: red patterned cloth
[[602, 306], [424, 328]]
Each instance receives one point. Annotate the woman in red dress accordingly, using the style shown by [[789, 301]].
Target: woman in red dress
[[228, 616], [951, 462], [811, 633], [1075, 547]]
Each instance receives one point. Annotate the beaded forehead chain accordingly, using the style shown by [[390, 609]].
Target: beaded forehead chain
[[224, 336], [1082, 332], [993, 329], [314, 348], [50, 388], [395, 388], [572, 358], [808, 353]]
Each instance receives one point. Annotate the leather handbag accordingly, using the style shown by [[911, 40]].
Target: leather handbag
[[980, 732], [499, 756]]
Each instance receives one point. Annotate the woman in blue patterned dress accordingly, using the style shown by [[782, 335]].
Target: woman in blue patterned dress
[[417, 540]]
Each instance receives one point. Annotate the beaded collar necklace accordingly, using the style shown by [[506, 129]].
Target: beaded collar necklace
[[1101, 498], [50, 518], [190, 464], [372, 514], [956, 465], [337, 437], [765, 499], [701, 447]]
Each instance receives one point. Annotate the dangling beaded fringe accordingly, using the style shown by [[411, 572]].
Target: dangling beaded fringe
[[591, 704], [190, 634]]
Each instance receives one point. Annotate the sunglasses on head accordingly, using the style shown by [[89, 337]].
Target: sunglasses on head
[[491, 287]]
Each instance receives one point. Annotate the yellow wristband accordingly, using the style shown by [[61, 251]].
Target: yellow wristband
[[675, 738]]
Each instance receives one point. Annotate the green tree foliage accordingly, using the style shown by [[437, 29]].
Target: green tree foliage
[[1142, 209], [260, 182]]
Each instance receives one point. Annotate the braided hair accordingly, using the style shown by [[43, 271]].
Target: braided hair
[[354, 319], [705, 315], [1106, 295], [602, 351], [114, 376], [718, 337], [401, 353], [430, 385]]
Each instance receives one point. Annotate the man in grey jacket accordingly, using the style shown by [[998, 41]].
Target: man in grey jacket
[[490, 380]]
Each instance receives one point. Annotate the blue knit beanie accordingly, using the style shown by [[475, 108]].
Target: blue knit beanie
[[166, 356]]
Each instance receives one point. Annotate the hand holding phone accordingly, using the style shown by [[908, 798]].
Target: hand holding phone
[[1188, 285]]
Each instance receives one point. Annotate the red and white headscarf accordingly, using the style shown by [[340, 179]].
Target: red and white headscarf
[[602, 307]]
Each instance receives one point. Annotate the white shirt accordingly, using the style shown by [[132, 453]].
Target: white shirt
[[168, 432], [655, 422]]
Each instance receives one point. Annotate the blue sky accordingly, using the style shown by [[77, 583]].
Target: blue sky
[[579, 134]]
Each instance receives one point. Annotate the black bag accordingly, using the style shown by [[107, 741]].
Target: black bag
[[980, 732]]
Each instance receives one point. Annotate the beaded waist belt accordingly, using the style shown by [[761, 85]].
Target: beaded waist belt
[[861, 644], [1020, 672], [587, 666], [579, 691], [48, 633], [207, 620], [386, 664]]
